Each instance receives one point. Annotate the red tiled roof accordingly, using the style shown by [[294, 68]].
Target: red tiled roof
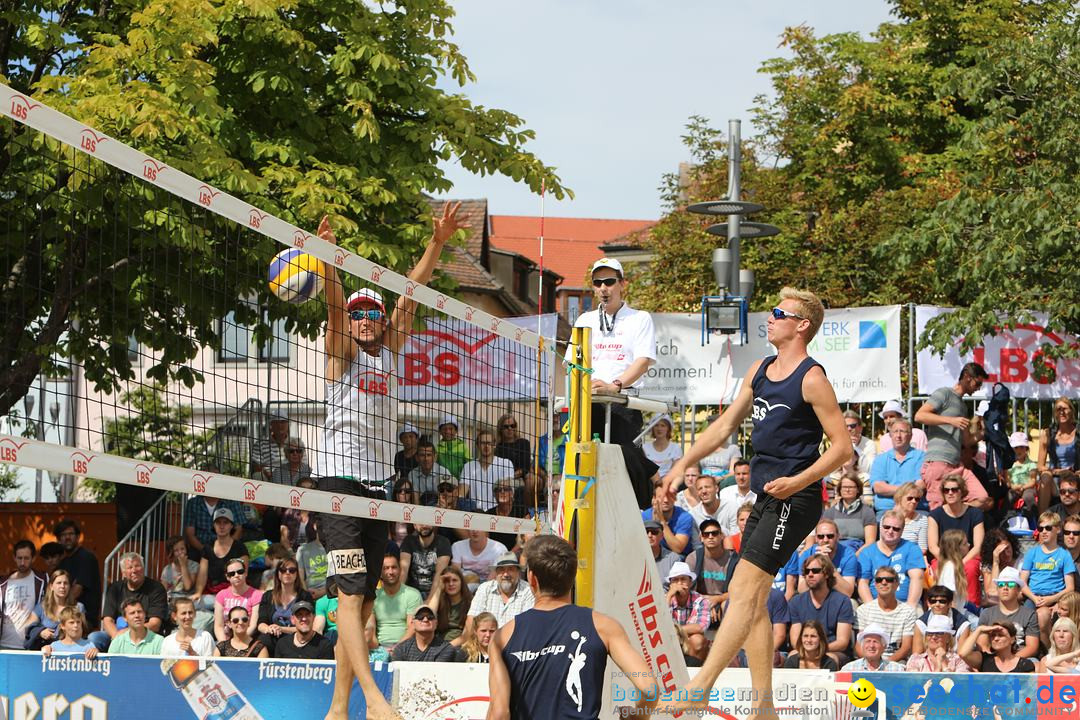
[[571, 245]]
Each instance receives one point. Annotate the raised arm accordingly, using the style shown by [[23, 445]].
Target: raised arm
[[340, 348]]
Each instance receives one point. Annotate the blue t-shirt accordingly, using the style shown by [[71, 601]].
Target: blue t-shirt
[[844, 560], [887, 469], [77, 648], [1048, 570], [906, 556], [681, 523], [835, 610]]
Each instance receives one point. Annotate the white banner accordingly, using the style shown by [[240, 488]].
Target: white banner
[[1013, 357], [858, 347]]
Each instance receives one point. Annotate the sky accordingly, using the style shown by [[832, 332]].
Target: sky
[[608, 85]]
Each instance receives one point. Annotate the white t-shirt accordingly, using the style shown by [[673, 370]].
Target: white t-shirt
[[203, 645], [867, 450], [481, 481], [631, 336], [361, 421], [19, 602], [719, 462], [664, 459], [730, 502], [480, 565]]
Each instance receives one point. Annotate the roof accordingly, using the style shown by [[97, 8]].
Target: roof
[[571, 245]]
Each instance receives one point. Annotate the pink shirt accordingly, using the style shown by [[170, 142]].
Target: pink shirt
[[227, 600], [921, 663]]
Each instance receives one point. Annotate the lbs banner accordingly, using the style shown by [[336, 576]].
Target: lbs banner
[[859, 348], [34, 687]]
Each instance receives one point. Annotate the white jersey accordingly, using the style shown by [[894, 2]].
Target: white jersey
[[361, 417], [631, 336]]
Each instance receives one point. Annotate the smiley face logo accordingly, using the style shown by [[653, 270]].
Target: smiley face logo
[[862, 693]]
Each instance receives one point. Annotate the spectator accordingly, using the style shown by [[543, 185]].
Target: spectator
[[734, 542], [186, 640], [940, 600], [45, 618], [505, 507], [826, 543], [873, 640], [20, 592], [558, 448], [83, 567], [512, 447], [425, 645], [405, 459], [402, 492], [810, 649], [1068, 485], [1068, 605], [1000, 549], [897, 466], [916, 522], [662, 451], [451, 600], [675, 523], [476, 556], [707, 508], [1057, 450], [1070, 539], [939, 655], [890, 413], [506, 596], [70, 641], [1047, 572], [51, 554], [865, 447], [179, 574], [303, 643], [424, 556], [297, 525], [452, 452], [1001, 657], [955, 571], [133, 584], [1064, 649], [476, 647], [1023, 475], [687, 497], [897, 554], [714, 565], [946, 418], [855, 520], [237, 593], [311, 558], [663, 557], [721, 462], [689, 610], [240, 643], [395, 604], [276, 607], [225, 548], [734, 497], [427, 474], [898, 618], [269, 454], [479, 476], [139, 639], [822, 604], [449, 499], [1022, 618], [295, 467], [325, 623]]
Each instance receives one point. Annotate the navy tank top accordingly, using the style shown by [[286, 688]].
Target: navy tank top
[[556, 661], [787, 433]]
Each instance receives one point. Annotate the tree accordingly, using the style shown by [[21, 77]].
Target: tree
[[300, 107]]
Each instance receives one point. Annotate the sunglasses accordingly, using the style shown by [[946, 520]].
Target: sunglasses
[[1067, 491], [884, 580], [509, 426], [287, 571], [1046, 528], [604, 282], [825, 536], [812, 571], [233, 573], [294, 450], [851, 426], [946, 490], [779, 314], [709, 533], [424, 618], [240, 620], [894, 528], [939, 601], [1071, 533], [653, 531], [1010, 584], [373, 315]]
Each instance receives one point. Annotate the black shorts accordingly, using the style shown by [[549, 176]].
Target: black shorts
[[354, 545], [776, 527]]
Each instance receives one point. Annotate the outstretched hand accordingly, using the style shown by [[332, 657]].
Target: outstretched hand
[[448, 224], [325, 232]]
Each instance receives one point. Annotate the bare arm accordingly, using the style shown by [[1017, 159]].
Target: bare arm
[[628, 377], [1030, 648], [219, 622], [915, 587], [933, 537], [779, 634], [843, 638], [499, 676], [864, 591], [793, 633], [340, 348], [845, 584], [927, 416], [628, 659], [1044, 445], [405, 562], [977, 535], [200, 578], [108, 624]]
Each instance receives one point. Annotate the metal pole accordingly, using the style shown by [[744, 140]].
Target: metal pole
[[911, 356], [734, 172], [40, 434]]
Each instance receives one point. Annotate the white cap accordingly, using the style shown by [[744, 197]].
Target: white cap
[[876, 631], [606, 262], [680, 569], [408, 428], [1008, 574], [365, 294], [939, 624], [981, 409], [1018, 439], [892, 406], [449, 420], [1018, 525]]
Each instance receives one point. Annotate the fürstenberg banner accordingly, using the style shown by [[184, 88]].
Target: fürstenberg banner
[[859, 348], [1009, 358]]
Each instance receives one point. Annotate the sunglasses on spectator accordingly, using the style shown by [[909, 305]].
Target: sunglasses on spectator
[[825, 536], [780, 314], [812, 571], [939, 601], [851, 426], [605, 282], [1008, 584], [509, 426], [709, 533], [653, 531], [1046, 528], [884, 580], [294, 450], [1067, 491], [288, 570], [1072, 533], [373, 315], [424, 618], [233, 573], [950, 489], [894, 528], [240, 620]]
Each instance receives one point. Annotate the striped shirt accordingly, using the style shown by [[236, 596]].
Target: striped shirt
[[489, 599], [898, 622]]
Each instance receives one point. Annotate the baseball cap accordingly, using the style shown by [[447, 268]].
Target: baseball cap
[[1018, 439], [939, 624], [680, 569], [606, 262], [892, 406], [424, 610], [224, 513], [876, 631], [1009, 574], [653, 525], [408, 428], [365, 295], [507, 559], [707, 522], [302, 605]]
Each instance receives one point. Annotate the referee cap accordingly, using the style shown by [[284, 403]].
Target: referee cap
[[365, 295], [607, 262]]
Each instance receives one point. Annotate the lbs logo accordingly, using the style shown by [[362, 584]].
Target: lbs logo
[[298, 239], [151, 168], [373, 508], [207, 194], [80, 462], [9, 450], [89, 140], [143, 473], [294, 497], [251, 489], [199, 481], [335, 503], [255, 218], [374, 383], [21, 107], [406, 513]]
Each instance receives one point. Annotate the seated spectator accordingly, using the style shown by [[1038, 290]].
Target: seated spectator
[[238, 593], [276, 606], [427, 474], [69, 640], [1070, 540], [894, 467], [424, 556], [311, 559], [1059, 452], [450, 500], [1069, 489], [864, 446], [851, 469], [734, 542], [326, 617], [478, 477], [451, 600], [186, 639], [225, 548], [298, 526], [1023, 619], [1068, 605], [506, 596], [675, 523], [1064, 653], [295, 468], [402, 492], [953, 570], [476, 556], [240, 643], [721, 462], [505, 507], [139, 639], [51, 553], [939, 655], [268, 454], [855, 520], [884, 610], [826, 543], [714, 565], [1001, 657], [133, 584], [687, 497], [179, 574], [20, 592], [664, 558], [425, 645], [708, 507], [916, 522], [689, 610], [476, 647], [662, 450], [954, 514], [821, 603], [873, 639], [1047, 572], [199, 522], [513, 447], [44, 625], [809, 651], [82, 566], [890, 413], [452, 452], [1000, 549], [303, 643], [405, 458], [894, 552], [940, 600], [1023, 476], [395, 603], [275, 554], [734, 497]]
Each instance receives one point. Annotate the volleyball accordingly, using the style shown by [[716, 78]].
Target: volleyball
[[295, 276]]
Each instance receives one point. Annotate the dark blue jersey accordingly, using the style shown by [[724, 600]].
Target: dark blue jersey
[[787, 432]]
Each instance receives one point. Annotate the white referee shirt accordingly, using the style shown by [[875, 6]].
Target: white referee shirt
[[631, 336]]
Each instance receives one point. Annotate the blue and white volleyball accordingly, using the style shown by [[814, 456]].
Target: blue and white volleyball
[[295, 276]]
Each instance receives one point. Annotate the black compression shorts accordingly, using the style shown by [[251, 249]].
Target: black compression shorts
[[354, 545], [776, 527]]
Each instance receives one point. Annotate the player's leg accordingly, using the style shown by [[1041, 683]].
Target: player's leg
[[759, 655]]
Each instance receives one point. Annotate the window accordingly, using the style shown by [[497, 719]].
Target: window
[[133, 350], [277, 349], [238, 342], [573, 308]]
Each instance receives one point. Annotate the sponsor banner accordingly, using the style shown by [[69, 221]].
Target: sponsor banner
[[858, 347], [797, 694], [33, 686], [438, 691], [1013, 357], [457, 360]]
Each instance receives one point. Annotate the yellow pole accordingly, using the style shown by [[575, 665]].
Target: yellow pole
[[579, 507]]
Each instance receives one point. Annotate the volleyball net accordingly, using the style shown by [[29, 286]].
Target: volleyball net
[[174, 354]]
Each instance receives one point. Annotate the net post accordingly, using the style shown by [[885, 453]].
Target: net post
[[581, 457]]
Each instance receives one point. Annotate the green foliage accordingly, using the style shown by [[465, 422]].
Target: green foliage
[[302, 108], [9, 482]]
